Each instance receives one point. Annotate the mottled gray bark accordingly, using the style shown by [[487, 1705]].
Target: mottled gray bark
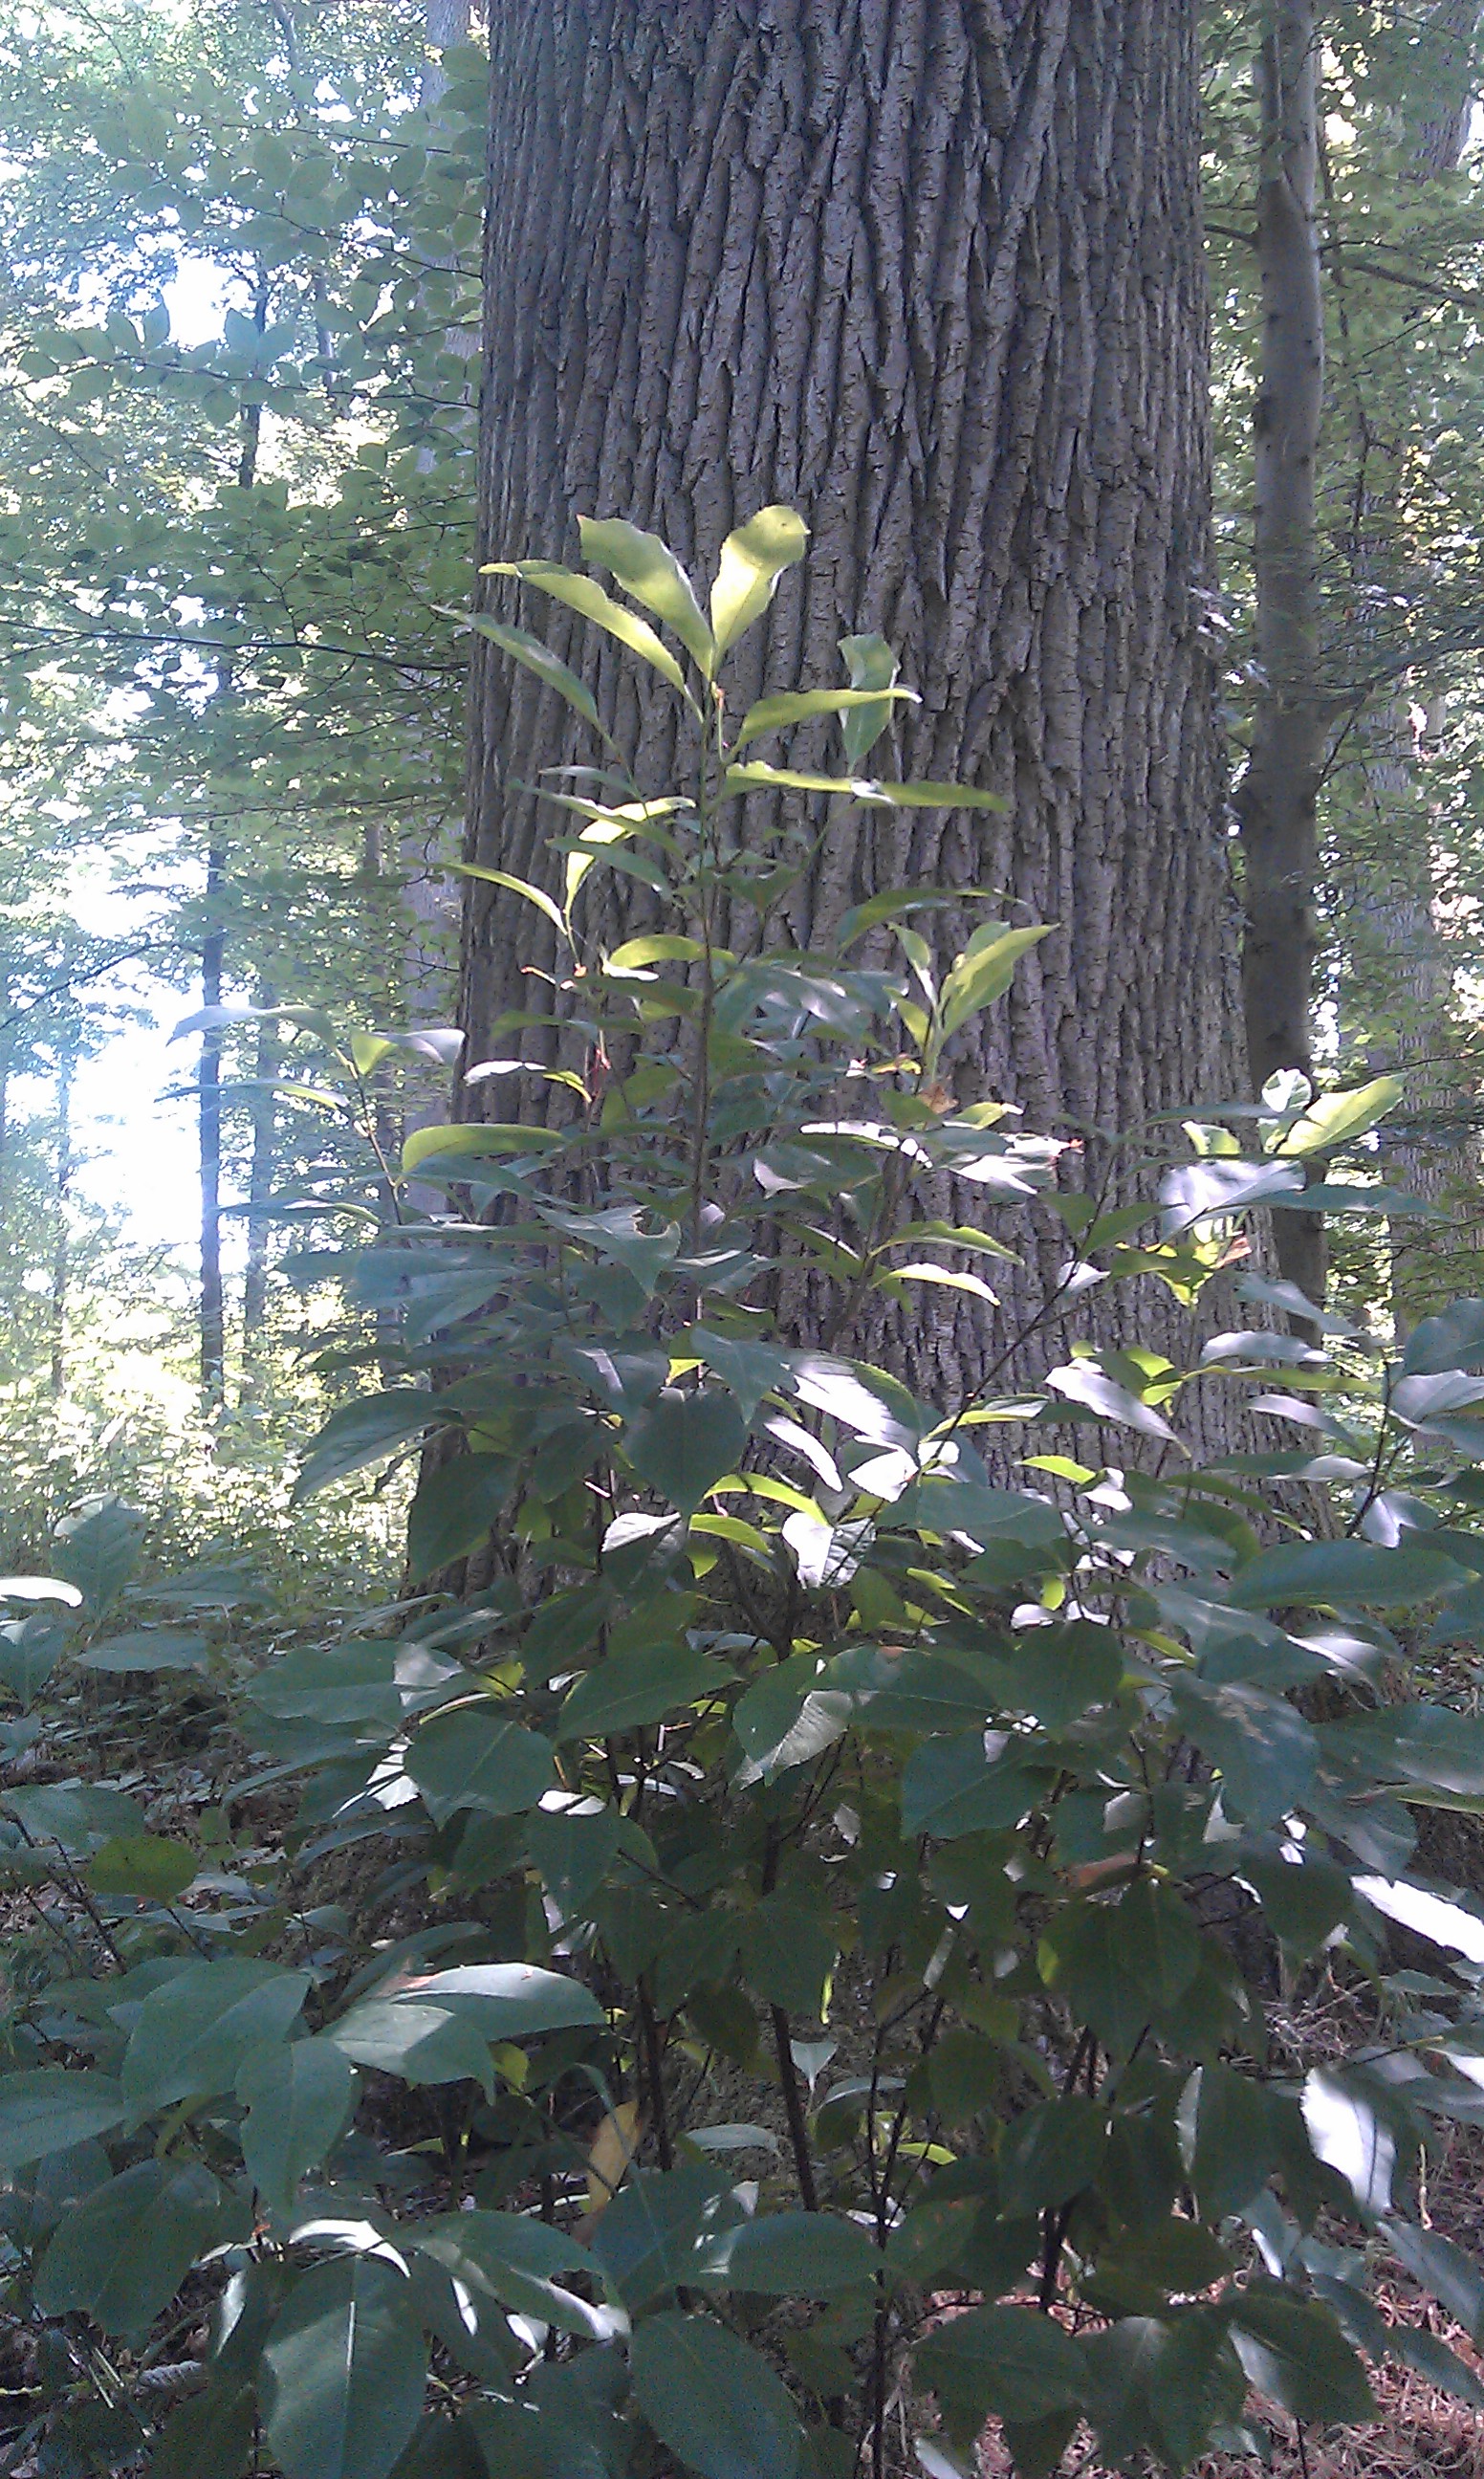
[[930, 271], [425, 848], [62, 1236], [1278, 796], [1401, 961], [267, 1066], [213, 1305]]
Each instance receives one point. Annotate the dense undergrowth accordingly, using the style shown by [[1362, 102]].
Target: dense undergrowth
[[793, 1956]]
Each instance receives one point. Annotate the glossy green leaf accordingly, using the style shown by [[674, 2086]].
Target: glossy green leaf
[[747, 1370], [953, 1786], [39, 1588], [509, 2000], [77, 1815], [658, 2226], [872, 665], [755, 776], [648, 568], [1085, 1382], [142, 1867], [1348, 2133], [585, 595], [1295, 2352], [209, 2435], [522, 886], [1303, 1899], [445, 2449], [685, 1442], [1001, 2362], [780, 2254], [804, 706], [145, 1650], [1266, 1751], [1454, 2277], [97, 1551], [1050, 2153], [363, 1432], [753, 560], [549, 668], [345, 2367], [454, 1510], [121, 2254], [419, 2043], [522, 2263], [30, 1649], [193, 2034], [629, 1691], [1311, 1575], [298, 2096], [1454, 1339], [1232, 2140], [354, 1682], [1159, 1942], [475, 1140], [1428, 1748], [1338, 1119], [472, 1756], [47, 2109], [712, 2401], [983, 972]]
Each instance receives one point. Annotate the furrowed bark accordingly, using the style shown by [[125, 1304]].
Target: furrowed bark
[[931, 271], [1277, 799]]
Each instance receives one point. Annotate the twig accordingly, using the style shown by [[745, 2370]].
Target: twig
[[793, 2104]]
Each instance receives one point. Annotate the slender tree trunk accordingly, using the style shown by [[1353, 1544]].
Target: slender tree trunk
[[931, 271], [431, 903], [5, 1083], [62, 1243], [1278, 796], [1401, 959], [213, 1348], [214, 1335], [267, 1062], [448, 22]]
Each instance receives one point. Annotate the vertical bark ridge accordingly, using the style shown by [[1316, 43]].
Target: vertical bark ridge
[[931, 271]]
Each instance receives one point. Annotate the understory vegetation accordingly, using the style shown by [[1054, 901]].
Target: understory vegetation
[[741, 1500], [773, 1939]]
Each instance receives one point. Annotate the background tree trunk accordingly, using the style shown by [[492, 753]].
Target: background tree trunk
[[212, 1317], [62, 1241], [267, 1065], [930, 271], [1278, 799], [1399, 957]]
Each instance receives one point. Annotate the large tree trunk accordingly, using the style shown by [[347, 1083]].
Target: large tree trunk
[[930, 271]]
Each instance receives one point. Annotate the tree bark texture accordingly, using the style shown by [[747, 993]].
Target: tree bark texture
[[931, 272], [1277, 800], [268, 1066], [212, 1311], [1401, 959], [62, 1240]]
